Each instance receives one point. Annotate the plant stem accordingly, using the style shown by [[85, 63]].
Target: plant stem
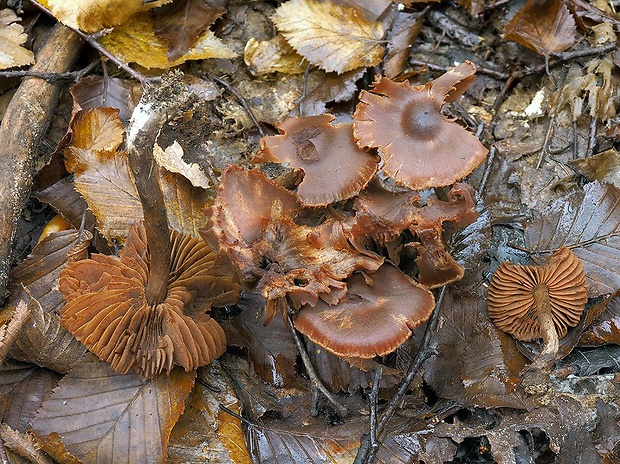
[[551, 342]]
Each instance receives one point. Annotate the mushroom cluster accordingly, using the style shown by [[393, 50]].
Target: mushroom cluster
[[331, 247], [108, 311]]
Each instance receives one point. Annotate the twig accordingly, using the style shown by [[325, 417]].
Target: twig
[[499, 75], [91, 40], [52, 77], [244, 103], [572, 247], [235, 415], [575, 140], [314, 378], [591, 138], [366, 454], [9, 333], [487, 171], [543, 149], [374, 393]]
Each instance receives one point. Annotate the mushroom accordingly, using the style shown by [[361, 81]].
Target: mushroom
[[334, 167], [252, 222], [376, 316], [420, 147], [531, 302], [107, 309]]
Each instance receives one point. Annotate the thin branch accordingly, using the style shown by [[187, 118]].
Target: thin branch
[[314, 378], [487, 171], [91, 40], [9, 333], [244, 103], [52, 77], [374, 393], [591, 138], [572, 247]]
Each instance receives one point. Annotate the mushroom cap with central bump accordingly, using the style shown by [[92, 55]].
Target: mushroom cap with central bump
[[511, 298], [420, 147], [376, 316]]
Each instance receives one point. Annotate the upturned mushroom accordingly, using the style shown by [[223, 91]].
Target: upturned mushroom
[[375, 317], [532, 302], [107, 308], [334, 167], [419, 146]]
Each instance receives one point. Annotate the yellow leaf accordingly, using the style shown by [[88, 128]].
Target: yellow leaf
[[93, 15], [332, 37], [12, 36], [268, 56], [135, 41]]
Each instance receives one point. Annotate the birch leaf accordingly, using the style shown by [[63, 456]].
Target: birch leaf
[[334, 38], [12, 37]]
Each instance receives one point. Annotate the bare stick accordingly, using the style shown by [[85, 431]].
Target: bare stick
[[487, 171], [244, 103], [9, 333], [591, 138], [314, 378]]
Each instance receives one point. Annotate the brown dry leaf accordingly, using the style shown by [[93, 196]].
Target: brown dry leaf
[[205, 426], [171, 159], [23, 387], [332, 87], [405, 31], [23, 444], [605, 329], [67, 202], [332, 37], [43, 340], [104, 91], [12, 37], [100, 129], [135, 42], [182, 22], [102, 416], [604, 167], [273, 55], [93, 15], [545, 26], [475, 364], [271, 349], [588, 223], [12, 327]]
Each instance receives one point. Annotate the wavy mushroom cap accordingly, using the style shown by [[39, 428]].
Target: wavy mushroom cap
[[511, 301], [420, 147], [334, 167], [373, 319], [106, 307]]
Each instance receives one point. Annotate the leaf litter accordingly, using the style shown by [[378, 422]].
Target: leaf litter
[[255, 405]]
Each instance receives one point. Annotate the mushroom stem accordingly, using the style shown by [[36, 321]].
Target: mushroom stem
[[551, 342], [154, 109]]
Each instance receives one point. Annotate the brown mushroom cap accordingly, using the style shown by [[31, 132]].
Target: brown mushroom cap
[[334, 167], [420, 147], [373, 319], [511, 302], [106, 307]]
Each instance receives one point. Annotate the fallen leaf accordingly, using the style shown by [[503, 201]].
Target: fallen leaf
[[475, 364], [604, 167], [102, 416], [182, 22], [605, 329], [545, 26], [135, 42], [43, 340], [104, 91], [12, 37], [588, 223], [273, 55], [93, 15], [332, 37], [23, 387], [67, 202], [405, 31], [100, 129], [206, 426], [23, 444], [172, 160], [371, 9]]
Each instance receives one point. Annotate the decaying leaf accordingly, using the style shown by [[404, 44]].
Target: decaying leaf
[[11, 329], [332, 37], [587, 222], [545, 26], [93, 15], [135, 41], [171, 159], [103, 178], [475, 364], [405, 30], [23, 444], [43, 340], [604, 167], [102, 416], [206, 426], [104, 91], [182, 22], [274, 55], [99, 130], [12, 37], [23, 387], [605, 329], [107, 308]]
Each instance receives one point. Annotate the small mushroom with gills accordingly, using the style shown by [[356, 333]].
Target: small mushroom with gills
[[531, 302], [375, 317]]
